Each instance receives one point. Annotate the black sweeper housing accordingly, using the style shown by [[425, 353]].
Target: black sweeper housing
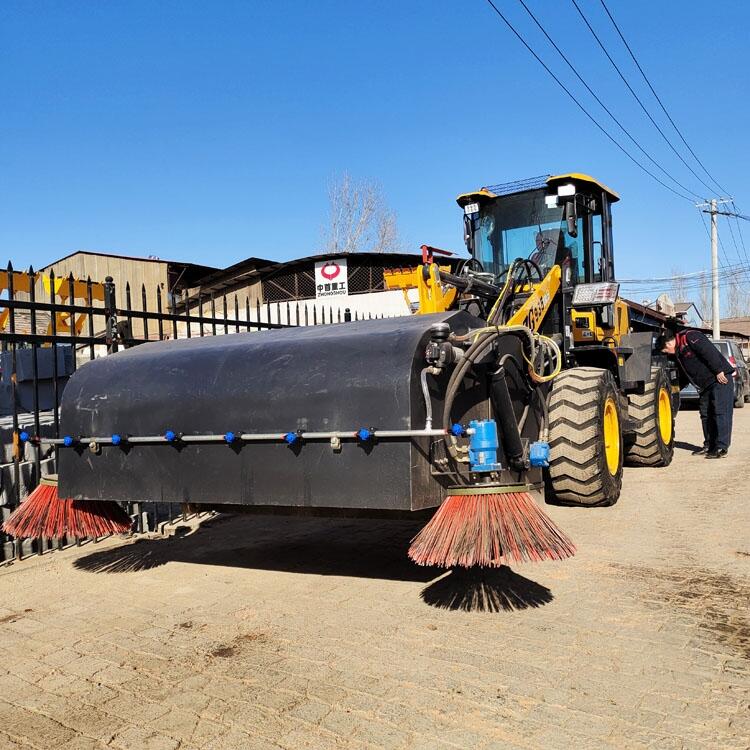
[[347, 377], [338, 378]]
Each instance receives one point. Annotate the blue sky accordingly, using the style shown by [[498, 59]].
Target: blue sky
[[207, 132]]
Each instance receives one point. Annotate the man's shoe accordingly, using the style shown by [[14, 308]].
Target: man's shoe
[[720, 453], [700, 451]]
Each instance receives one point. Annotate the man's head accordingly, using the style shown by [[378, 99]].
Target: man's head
[[667, 343]]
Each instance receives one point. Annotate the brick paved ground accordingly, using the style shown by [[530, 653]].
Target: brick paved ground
[[264, 633]]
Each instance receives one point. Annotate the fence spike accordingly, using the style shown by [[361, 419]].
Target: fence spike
[[160, 319], [144, 302]]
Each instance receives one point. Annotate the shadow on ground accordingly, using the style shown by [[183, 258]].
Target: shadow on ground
[[346, 547], [485, 590], [685, 446], [320, 546]]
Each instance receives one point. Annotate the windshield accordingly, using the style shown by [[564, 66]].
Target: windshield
[[522, 226]]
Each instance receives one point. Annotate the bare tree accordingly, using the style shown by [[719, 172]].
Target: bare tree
[[359, 219], [678, 290], [705, 298], [737, 298]]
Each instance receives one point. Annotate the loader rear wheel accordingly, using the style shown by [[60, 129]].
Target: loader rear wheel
[[654, 439], [585, 434]]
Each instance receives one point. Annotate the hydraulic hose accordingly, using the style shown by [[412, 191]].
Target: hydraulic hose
[[427, 399], [465, 284]]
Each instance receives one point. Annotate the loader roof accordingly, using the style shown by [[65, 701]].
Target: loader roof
[[533, 183]]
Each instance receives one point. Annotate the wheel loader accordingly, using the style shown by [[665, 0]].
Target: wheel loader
[[524, 371], [615, 398]]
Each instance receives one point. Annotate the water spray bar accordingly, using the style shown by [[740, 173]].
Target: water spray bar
[[362, 435]]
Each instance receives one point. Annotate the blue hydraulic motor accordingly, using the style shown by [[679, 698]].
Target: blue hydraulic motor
[[483, 446]]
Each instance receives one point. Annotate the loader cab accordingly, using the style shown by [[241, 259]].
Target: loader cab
[[563, 220]]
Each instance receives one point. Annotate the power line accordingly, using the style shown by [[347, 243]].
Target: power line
[[739, 228], [721, 242], [691, 286], [697, 280], [580, 106], [723, 250], [658, 99], [636, 97], [734, 239], [679, 276], [602, 104], [690, 282]]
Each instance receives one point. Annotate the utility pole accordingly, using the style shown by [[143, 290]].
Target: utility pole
[[716, 317], [713, 209]]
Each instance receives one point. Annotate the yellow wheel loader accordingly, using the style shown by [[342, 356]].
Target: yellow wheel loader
[[546, 243]]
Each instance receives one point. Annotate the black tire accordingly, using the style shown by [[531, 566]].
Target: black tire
[[650, 448], [579, 473], [739, 401]]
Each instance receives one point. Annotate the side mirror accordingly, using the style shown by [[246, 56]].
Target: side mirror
[[571, 217]]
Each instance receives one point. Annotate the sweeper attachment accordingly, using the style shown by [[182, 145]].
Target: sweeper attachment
[[379, 417]]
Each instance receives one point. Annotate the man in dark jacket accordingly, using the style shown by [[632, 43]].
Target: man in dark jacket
[[702, 364]]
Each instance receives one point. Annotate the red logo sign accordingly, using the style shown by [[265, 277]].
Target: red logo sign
[[330, 271]]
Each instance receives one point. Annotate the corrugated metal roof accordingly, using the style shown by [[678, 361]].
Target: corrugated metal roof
[[140, 259]]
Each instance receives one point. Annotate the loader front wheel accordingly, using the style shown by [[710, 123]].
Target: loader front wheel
[[654, 439], [585, 434]]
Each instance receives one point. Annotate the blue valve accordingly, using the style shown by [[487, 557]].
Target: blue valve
[[539, 454], [24, 436], [116, 439], [364, 434], [458, 430], [68, 441], [170, 436], [229, 437], [291, 438]]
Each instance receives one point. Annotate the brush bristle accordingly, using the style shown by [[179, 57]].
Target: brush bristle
[[489, 530], [44, 514]]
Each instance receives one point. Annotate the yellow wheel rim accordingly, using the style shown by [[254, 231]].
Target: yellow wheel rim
[[611, 436], [665, 416]]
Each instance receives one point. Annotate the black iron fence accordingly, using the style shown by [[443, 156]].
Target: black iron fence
[[49, 326]]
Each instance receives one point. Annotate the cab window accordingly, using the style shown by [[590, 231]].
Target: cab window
[[597, 271]]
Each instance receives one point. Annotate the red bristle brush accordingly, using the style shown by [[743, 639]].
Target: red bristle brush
[[45, 514], [489, 526]]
